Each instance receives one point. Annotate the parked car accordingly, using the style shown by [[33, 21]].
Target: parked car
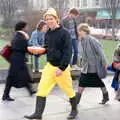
[[100, 33], [118, 35]]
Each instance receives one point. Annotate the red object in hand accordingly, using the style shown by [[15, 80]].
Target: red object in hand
[[6, 52], [116, 65], [36, 50]]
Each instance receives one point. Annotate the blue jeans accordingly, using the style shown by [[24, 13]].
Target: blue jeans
[[75, 51], [36, 62]]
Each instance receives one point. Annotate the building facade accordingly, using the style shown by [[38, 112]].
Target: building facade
[[81, 4], [38, 4]]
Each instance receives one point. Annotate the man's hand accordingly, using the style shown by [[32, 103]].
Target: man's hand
[[58, 72]]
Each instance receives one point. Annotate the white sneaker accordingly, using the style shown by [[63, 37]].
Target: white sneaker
[[75, 67]]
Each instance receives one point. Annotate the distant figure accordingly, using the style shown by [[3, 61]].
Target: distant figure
[[69, 22], [91, 52], [37, 39], [116, 67], [18, 75], [57, 70]]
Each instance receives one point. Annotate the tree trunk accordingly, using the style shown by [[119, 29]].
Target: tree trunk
[[113, 29]]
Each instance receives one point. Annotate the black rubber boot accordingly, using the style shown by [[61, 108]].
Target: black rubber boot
[[105, 98], [78, 97], [40, 105], [6, 96], [74, 111]]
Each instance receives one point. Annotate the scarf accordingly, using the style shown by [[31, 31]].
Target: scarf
[[25, 34]]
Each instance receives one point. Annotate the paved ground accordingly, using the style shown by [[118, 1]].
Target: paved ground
[[58, 107]]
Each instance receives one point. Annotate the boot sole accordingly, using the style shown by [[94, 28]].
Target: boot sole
[[104, 102], [32, 118]]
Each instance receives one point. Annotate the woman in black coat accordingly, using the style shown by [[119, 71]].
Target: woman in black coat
[[18, 75]]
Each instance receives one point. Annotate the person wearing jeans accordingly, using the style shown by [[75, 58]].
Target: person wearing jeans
[[69, 22], [75, 51], [37, 39], [36, 61]]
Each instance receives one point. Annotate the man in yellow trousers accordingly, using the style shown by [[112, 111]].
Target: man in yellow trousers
[[57, 70]]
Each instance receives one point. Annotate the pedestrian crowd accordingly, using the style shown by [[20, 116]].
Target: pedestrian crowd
[[61, 39]]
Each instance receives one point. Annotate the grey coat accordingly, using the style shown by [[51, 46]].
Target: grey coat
[[91, 50]]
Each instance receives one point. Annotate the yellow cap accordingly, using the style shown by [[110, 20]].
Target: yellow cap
[[51, 11]]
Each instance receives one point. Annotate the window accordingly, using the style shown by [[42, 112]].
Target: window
[[38, 2], [97, 2], [78, 3], [84, 3]]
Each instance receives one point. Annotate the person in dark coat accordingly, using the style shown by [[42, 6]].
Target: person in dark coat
[[116, 68], [18, 75]]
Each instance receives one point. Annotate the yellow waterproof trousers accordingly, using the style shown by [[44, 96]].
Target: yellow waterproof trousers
[[49, 80]]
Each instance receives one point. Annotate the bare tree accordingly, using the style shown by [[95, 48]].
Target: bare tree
[[112, 6], [8, 9], [60, 5]]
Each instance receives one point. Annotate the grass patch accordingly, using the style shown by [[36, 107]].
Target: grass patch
[[42, 61], [108, 46], [3, 43], [5, 64], [6, 33]]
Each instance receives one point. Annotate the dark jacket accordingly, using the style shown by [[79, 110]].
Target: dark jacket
[[18, 73], [71, 25], [59, 47]]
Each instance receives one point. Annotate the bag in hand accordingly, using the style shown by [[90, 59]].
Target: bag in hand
[[6, 52]]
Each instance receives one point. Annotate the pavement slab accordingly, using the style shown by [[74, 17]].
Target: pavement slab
[[58, 107]]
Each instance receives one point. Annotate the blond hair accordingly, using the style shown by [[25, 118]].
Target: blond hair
[[84, 27], [51, 11]]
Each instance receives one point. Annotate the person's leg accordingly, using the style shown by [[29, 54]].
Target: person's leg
[[39, 108], [105, 95], [46, 84], [30, 89], [65, 83], [75, 51], [117, 96], [36, 63], [79, 94], [7, 89], [80, 90]]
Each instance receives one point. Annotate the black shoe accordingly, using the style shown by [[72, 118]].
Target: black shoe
[[8, 99], [104, 101], [33, 116], [32, 92], [72, 115], [105, 98]]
